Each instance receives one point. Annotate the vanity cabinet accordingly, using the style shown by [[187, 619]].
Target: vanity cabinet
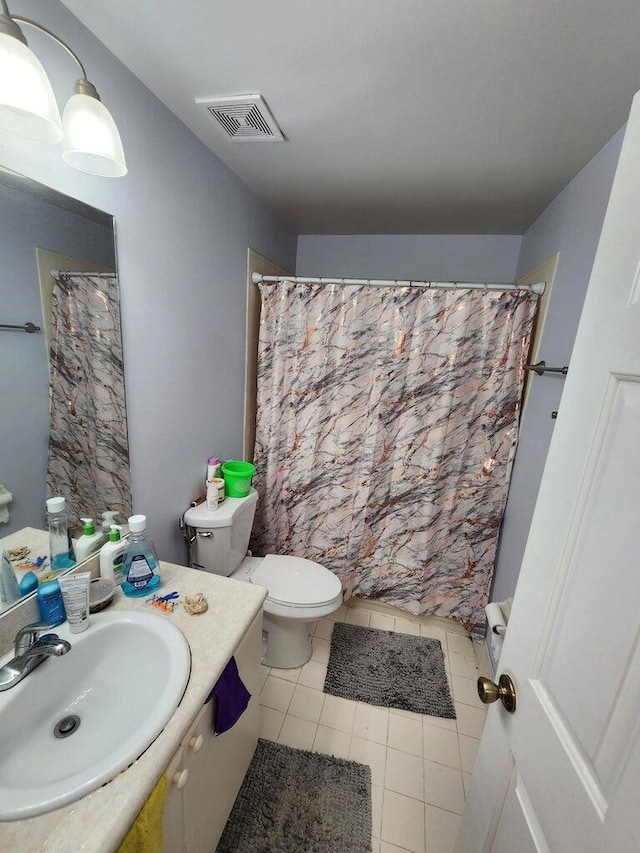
[[205, 774]]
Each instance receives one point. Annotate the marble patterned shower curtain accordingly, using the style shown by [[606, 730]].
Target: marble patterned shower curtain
[[386, 430], [88, 460]]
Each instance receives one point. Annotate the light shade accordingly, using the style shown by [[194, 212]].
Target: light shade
[[91, 139], [27, 103]]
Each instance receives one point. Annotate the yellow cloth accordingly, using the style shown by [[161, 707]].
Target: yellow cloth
[[145, 833]]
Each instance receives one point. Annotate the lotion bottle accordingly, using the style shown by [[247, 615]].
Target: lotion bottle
[[90, 540], [112, 556], [108, 519]]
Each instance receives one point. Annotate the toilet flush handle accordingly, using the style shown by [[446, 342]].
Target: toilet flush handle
[[205, 534]]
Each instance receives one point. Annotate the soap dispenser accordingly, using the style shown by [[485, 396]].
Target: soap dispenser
[[112, 556], [109, 518], [90, 540]]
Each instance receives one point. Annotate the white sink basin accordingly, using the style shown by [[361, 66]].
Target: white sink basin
[[123, 678]]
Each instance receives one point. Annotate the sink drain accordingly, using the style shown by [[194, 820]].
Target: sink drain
[[67, 726]]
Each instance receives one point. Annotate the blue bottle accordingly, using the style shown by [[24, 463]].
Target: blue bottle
[[140, 569], [50, 603]]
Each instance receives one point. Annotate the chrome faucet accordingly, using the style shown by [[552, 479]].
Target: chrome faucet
[[31, 649]]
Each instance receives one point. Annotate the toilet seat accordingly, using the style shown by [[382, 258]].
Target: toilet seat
[[297, 582]]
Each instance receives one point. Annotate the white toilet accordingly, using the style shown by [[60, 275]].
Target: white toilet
[[299, 591]]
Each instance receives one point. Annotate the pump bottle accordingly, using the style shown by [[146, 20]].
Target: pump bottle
[[112, 556], [90, 540]]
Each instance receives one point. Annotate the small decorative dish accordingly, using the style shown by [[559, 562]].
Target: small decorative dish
[[101, 594]]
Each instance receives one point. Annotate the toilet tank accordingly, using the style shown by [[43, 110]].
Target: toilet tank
[[221, 535]]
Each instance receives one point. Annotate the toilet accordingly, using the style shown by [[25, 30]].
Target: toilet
[[299, 591]]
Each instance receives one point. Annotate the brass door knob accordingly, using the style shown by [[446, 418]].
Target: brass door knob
[[504, 690]]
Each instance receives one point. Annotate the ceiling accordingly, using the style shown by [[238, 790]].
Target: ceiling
[[412, 116]]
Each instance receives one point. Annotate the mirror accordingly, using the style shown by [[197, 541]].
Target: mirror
[[56, 436]]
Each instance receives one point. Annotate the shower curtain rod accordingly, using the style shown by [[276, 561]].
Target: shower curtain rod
[[82, 274], [537, 288], [25, 327]]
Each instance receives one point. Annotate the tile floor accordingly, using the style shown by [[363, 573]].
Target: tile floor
[[420, 765]]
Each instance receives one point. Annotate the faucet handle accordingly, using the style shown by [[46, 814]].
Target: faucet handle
[[28, 634]]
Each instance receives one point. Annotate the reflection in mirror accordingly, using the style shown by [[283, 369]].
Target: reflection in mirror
[[88, 460], [63, 418]]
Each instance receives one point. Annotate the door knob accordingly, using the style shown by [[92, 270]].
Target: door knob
[[504, 690]]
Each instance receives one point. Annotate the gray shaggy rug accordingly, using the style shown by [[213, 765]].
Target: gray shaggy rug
[[294, 801], [388, 669]]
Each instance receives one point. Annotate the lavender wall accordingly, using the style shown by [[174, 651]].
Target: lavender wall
[[456, 257], [183, 225], [571, 225]]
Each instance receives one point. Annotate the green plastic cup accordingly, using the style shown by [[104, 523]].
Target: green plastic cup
[[237, 478]]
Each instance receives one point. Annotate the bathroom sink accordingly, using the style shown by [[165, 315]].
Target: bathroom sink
[[109, 698]]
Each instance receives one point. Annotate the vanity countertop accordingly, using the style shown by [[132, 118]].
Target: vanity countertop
[[35, 539], [98, 822]]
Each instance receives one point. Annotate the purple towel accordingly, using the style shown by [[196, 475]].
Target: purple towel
[[232, 698]]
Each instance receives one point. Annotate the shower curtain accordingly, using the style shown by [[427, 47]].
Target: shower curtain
[[386, 429], [88, 459]]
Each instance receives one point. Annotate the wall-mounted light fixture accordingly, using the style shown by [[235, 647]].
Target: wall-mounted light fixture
[[90, 138]]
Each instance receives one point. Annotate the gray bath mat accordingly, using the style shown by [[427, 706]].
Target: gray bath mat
[[294, 801], [388, 669]]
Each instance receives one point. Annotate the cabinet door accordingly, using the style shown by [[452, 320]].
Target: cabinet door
[[173, 822], [217, 765]]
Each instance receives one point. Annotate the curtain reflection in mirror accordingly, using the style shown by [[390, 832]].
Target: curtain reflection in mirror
[[88, 456]]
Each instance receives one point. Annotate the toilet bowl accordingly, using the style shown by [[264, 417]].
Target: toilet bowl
[[299, 591]]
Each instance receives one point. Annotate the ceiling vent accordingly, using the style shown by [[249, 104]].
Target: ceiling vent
[[244, 117]]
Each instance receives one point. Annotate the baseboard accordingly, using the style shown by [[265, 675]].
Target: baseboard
[[483, 660], [450, 625]]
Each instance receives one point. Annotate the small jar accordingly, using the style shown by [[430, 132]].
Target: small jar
[[212, 495]]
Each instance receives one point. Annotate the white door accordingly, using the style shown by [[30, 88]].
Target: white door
[[562, 773]]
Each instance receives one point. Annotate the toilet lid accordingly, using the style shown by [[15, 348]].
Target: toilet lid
[[296, 581]]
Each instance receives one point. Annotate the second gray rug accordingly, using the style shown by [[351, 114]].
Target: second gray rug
[[294, 801], [389, 670]]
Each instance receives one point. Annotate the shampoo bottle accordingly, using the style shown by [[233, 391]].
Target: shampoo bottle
[[214, 466], [90, 540], [112, 556], [141, 571]]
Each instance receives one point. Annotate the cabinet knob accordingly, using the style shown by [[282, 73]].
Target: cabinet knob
[[196, 743], [180, 778]]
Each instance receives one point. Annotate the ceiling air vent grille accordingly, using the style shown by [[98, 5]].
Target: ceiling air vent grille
[[244, 117]]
